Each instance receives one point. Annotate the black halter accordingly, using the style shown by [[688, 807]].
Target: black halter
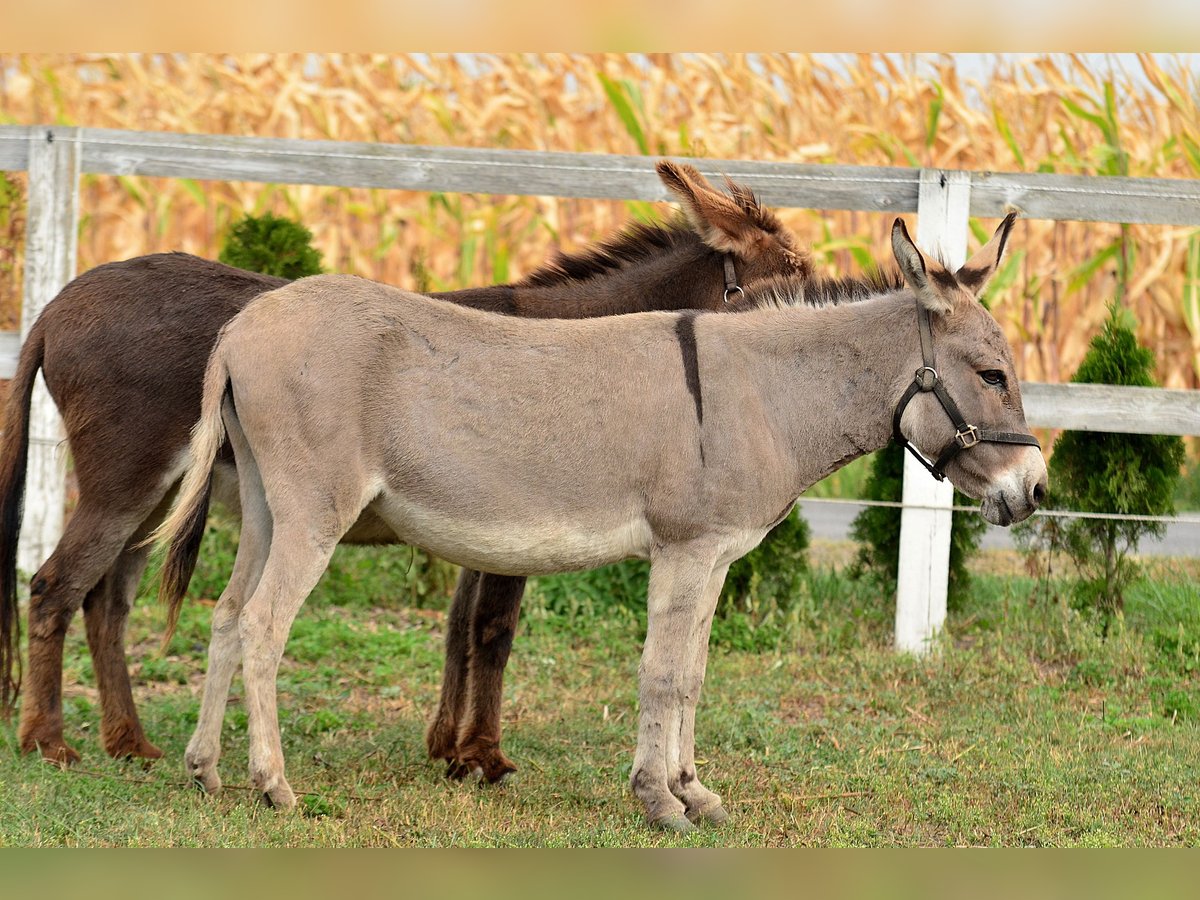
[[965, 436]]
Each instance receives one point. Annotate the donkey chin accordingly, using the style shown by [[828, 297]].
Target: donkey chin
[[1015, 495]]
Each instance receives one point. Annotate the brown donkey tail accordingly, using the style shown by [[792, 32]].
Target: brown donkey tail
[[14, 458], [184, 527]]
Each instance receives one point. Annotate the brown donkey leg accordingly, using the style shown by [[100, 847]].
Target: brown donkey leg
[[105, 612], [493, 624], [442, 734], [90, 544]]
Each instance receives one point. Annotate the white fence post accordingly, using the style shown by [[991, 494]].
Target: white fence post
[[943, 208], [51, 234]]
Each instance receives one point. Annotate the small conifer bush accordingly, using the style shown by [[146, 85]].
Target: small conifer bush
[[272, 245], [1093, 471]]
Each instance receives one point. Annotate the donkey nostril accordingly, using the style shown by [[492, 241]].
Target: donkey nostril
[[1039, 492]]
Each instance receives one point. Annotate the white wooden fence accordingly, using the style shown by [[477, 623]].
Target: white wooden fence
[[943, 201]]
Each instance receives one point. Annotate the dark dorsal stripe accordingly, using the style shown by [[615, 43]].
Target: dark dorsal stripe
[[685, 333]]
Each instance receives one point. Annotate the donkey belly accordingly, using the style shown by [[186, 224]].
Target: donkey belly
[[514, 548]]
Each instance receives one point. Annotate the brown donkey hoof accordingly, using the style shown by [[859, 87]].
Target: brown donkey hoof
[[138, 748], [494, 770], [54, 752], [456, 770]]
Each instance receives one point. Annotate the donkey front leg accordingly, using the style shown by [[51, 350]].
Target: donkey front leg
[[678, 581], [700, 802]]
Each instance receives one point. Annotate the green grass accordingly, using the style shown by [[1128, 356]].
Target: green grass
[[1026, 729]]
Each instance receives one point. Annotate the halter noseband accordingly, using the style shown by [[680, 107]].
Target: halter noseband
[[927, 380]]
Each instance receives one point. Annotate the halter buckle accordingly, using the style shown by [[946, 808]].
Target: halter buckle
[[967, 436], [926, 377], [736, 288]]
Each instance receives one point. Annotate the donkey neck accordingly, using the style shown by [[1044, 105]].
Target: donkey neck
[[686, 275], [834, 376]]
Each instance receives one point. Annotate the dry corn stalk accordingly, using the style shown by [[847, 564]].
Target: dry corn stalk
[[873, 109]]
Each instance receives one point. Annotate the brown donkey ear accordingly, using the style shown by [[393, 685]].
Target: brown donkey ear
[[728, 224], [934, 286], [980, 267]]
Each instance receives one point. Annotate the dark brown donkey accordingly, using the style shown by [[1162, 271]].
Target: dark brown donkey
[[123, 349]]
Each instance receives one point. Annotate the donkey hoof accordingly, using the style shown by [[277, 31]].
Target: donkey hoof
[[59, 754], [677, 824], [279, 798], [207, 782], [497, 768], [136, 749], [716, 815]]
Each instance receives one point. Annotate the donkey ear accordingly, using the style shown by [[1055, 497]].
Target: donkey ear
[[727, 224], [980, 267], [917, 270]]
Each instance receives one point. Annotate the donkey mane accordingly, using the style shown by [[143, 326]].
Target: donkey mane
[[779, 291], [633, 245]]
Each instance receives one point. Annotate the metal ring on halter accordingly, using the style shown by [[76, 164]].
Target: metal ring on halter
[[736, 287], [919, 378]]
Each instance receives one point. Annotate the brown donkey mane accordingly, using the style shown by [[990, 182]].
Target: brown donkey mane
[[635, 244]]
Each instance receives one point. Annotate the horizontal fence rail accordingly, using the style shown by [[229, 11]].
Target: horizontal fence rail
[[1084, 198], [942, 200]]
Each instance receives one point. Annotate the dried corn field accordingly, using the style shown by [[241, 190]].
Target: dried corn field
[[1064, 114]]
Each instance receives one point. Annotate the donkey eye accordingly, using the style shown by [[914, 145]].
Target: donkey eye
[[994, 376]]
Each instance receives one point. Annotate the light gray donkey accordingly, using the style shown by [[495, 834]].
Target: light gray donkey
[[530, 447]]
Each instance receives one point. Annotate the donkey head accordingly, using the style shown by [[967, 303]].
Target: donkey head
[[987, 454], [736, 224]]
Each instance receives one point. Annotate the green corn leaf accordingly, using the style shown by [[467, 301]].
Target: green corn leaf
[[1192, 150], [1006, 133], [1083, 273], [131, 188], [194, 191], [1004, 278], [935, 113], [618, 97]]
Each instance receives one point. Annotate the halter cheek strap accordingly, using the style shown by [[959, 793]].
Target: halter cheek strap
[[731, 282], [927, 380]]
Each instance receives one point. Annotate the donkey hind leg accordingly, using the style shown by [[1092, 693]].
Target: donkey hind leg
[[678, 581], [225, 648], [700, 802], [91, 542], [442, 734], [493, 623], [105, 612], [301, 548]]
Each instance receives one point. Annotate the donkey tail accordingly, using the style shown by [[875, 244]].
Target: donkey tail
[[184, 527], [14, 458]]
